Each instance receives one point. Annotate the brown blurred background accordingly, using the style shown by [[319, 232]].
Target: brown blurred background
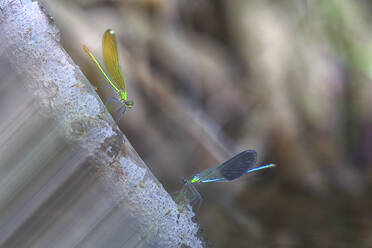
[[210, 78]]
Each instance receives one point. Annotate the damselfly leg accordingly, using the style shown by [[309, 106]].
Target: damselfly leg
[[120, 112], [188, 195]]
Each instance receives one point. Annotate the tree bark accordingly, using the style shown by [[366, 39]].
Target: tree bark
[[69, 177]]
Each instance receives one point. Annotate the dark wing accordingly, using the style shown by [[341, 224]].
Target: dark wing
[[238, 165]]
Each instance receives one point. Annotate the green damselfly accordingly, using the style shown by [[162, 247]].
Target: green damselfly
[[115, 75], [233, 168]]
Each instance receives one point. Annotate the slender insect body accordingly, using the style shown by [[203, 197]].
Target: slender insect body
[[233, 168], [114, 76]]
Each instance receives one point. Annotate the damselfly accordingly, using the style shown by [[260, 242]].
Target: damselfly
[[115, 75], [229, 170]]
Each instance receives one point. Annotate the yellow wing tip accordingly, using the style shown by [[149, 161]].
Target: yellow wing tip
[[111, 31]]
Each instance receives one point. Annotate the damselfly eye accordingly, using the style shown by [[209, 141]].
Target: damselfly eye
[[129, 103]]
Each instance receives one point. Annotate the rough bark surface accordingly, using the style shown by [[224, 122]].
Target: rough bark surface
[[97, 191]]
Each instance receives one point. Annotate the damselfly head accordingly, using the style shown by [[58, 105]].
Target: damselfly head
[[129, 104]]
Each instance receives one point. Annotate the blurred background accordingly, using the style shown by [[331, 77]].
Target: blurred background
[[210, 78]]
